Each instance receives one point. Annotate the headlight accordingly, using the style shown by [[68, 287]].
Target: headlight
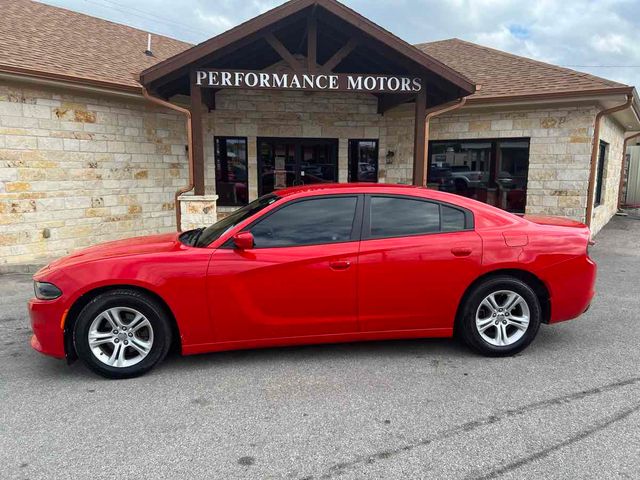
[[46, 291]]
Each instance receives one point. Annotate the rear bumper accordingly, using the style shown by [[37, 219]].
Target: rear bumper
[[48, 329], [571, 287]]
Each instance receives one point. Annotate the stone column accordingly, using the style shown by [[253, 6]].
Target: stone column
[[197, 210]]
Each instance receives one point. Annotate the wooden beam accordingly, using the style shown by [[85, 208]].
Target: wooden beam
[[312, 43], [197, 137], [340, 55], [209, 98], [283, 52], [387, 101], [419, 140]]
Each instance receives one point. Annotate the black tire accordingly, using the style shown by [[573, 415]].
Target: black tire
[[467, 330], [127, 299]]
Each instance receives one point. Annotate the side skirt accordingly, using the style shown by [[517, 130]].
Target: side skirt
[[316, 339]]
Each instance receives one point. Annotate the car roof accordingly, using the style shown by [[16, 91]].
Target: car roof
[[361, 187]]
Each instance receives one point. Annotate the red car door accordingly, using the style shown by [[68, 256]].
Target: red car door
[[298, 280], [416, 259]]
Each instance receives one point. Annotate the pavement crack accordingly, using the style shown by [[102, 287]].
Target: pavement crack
[[340, 468], [601, 425]]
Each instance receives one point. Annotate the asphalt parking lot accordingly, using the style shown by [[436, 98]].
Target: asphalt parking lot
[[567, 407]]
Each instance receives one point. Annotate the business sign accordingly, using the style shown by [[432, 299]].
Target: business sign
[[341, 82]]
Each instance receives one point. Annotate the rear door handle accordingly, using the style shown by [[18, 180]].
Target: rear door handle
[[340, 264], [461, 251]]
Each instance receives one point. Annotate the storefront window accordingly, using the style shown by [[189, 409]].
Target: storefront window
[[491, 171], [363, 160], [287, 162], [232, 185]]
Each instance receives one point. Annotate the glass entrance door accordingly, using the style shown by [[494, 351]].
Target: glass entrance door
[[287, 162]]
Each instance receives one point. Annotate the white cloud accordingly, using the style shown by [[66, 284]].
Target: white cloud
[[609, 43]]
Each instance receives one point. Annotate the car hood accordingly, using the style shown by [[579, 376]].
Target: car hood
[[119, 248]]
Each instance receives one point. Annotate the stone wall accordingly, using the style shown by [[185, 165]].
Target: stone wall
[[79, 168], [612, 133]]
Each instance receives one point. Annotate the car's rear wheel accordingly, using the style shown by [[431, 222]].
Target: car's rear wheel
[[500, 316], [122, 334]]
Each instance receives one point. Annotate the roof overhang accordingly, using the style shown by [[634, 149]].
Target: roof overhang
[[69, 82], [250, 46], [607, 98]]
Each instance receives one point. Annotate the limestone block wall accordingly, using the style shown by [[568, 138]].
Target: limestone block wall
[[612, 133], [79, 168]]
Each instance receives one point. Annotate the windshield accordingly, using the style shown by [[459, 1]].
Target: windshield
[[214, 231]]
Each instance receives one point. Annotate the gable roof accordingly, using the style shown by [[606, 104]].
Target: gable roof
[[41, 40], [500, 75], [275, 17]]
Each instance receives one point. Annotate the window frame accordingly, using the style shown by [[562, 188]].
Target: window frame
[[350, 153], [366, 221], [217, 160], [603, 153], [356, 226]]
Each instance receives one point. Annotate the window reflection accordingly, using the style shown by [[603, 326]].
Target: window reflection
[[231, 171], [363, 160], [491, 171]]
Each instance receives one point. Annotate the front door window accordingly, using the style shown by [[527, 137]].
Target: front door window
[[286, 162]]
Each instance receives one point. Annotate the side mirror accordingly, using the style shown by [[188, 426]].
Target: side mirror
[[243, 240]]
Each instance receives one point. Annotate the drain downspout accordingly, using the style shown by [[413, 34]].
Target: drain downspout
[[594, 155], [624, 154], [190, 185], [434, 113]]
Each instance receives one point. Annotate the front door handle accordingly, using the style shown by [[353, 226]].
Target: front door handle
[[340, 264], [461, 251]]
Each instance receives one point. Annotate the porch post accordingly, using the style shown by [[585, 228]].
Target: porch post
[[419, 139], [197, 136]]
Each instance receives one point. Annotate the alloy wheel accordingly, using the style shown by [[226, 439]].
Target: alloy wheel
[[502, 318], [120, 337]]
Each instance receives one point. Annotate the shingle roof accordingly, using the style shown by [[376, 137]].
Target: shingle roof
[[44, 40], [500, 74], [49, 40]]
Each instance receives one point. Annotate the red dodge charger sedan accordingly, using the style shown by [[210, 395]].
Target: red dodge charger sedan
[[317, 264]]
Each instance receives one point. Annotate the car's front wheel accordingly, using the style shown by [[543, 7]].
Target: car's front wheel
[[500, 316], [122, 334]]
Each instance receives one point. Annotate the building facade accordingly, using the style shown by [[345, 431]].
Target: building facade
[[86, 158]]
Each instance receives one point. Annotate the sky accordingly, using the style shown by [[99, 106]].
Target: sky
[[601, 37]]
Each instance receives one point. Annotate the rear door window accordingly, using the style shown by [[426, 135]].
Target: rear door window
[[403, 216]]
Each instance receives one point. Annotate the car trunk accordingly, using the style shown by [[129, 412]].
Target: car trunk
[[558, 221]]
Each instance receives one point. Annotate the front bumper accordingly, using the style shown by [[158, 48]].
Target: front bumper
[[47, 318]]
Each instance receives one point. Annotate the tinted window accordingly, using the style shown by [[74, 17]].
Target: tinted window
[[363, 160], [308, 222], [452, 219], [395, 217], [232, 184]]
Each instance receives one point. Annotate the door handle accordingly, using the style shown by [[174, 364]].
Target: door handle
[[340, 264], [461, 251]]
